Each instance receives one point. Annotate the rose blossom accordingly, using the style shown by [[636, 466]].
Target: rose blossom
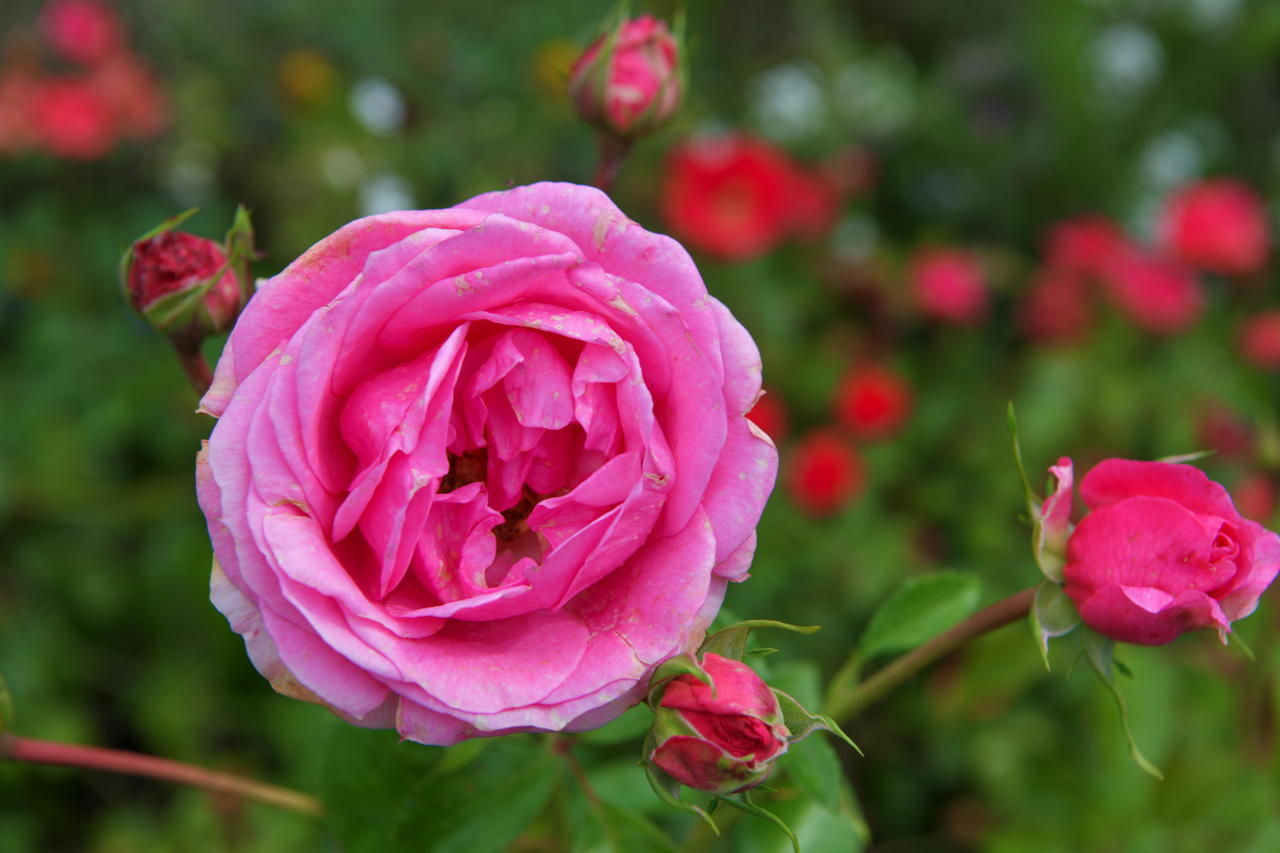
[[1156, 293], [82, 31], [721, 737], [1163, 551], [1219, 226], [1085, 245], [1259, 340], [824, 472], [949, 285], [628, 81], [481, 469], [1058, 306], [873, 401]]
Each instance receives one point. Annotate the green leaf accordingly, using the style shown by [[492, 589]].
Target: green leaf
[[743, 801], [605, 827], [1053, 614], [814, 766], [6, 706], [381, 795], [731, 642], [919, 610], [1100, 653]]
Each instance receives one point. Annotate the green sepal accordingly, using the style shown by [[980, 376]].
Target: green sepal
[[1100, 652], [126, 257], [743, 802], [801, 723], [669, 669], [1052, 615], [1033, 501], [667, 787], [1234, 639], [731, 642], [1187, 458], [240, 250], [1049, 558]]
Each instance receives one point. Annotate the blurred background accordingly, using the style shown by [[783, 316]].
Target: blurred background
[[921, 210]]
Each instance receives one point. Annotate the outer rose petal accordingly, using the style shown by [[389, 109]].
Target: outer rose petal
[[1149, 617], [1116, 479]]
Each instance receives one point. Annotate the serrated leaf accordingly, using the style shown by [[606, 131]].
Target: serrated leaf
[[667, 787], [743, 801], [731, 642], [1053, 614], [1100, 652], [381, 795], [919, 610]]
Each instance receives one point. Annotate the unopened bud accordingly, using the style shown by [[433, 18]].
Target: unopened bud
[[628, 82]]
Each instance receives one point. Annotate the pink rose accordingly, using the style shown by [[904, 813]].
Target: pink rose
[[1218, 226], [82, 31], [949, 286], [1085, 245], [721, 737], [1162, 552], [628, 81], [1156, 293], [480, 470], [1259, 340]]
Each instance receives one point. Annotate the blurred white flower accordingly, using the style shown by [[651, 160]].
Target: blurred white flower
[[378, 105], [1127, 59], [342, 167], [385, 192], [876, 94], [788, 102]]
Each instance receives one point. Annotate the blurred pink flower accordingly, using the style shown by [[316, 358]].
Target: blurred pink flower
[[1259, 340], [82, 31], [1218, 226], [71, 120], [1087, 244], [949, 285], [1058, 307], [1156, 293]]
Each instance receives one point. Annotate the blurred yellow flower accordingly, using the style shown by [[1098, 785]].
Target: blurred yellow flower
[[305, 77]]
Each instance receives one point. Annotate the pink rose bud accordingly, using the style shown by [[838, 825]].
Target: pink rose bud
[[949, 286], [1163, 551], [721, 737], [628, 81], [183, 285], [1218, 226]]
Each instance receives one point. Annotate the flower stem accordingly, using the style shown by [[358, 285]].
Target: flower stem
[[845, 703], [33, 751], [194, 365], [613, 152]]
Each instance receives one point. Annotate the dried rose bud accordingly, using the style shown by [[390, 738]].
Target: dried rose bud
[[185, 286], [628, 81], [721, 737]]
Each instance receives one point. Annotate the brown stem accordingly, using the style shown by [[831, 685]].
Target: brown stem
[[564, 746], [33, 751], [194, 365], [846, 704], [613, 152]]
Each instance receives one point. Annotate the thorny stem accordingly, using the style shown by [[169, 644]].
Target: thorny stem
[[31, 751], [845, 704], [196, 368]]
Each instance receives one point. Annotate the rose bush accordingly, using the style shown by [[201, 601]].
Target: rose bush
[[479, 470], [1162, 551]]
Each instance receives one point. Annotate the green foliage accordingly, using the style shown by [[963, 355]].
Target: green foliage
[[920, 609]]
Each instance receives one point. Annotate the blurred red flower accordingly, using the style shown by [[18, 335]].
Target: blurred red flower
[[948, 285], [1219, 226], [1058, 306], [770, 415], [132, 93], [1156, 293], [1255, 497], [1086, 244], [1259, 340], [18, 90], [825, 472], [71, 120], [82, 31], [873, 401], [737, 197]]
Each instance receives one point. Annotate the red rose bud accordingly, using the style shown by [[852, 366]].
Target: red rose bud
[[1156, 293], [1163, 551], [628, 82], [1085, 245], [721, 737], [1218, 226], [825, 473], [185, 286], [949, 285], [873, 401], [1259, 340]]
